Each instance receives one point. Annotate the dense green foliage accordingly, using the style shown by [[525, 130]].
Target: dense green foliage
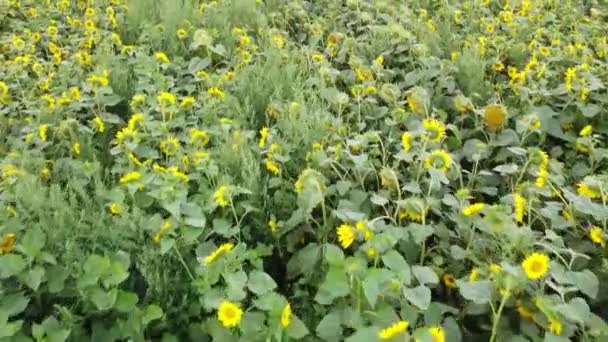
[[241, 170]]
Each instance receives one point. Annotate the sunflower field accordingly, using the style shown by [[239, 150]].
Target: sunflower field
[[303, 170]]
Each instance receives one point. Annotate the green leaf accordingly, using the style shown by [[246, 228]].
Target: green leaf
[[96, 265], [32, 242], [371, 290], [425, 275], [479, 292], [116, 274], [363, 335], [269, 302], [419, 296], [587, 282], [452, 330], [260, 283], [296, 328], [33, 277], [103, 300], [334, 286], [576, 310], [395, 262], [334, 255], [152, 312], [236, 282], [10, 265], [125, 301], [304, 261], [419, 232], [13, 304], [56, 277], [9, 329], [329, 328]]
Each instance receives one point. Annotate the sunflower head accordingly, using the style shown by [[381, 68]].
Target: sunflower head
[[439, 160], [434, 130], [495, 116], [536, 265]]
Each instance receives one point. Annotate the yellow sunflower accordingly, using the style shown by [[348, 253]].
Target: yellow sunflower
[[434, 130], [170, 146], [449, 281], [286, 315], [229, 314], [437, 333], [393, 330], [346, 235], [596, 235], [439, 160], [8, 242], [406, 141], [520, 207], [555, 327], [536, 265], [587, 191], [495, 116], [473, 209]]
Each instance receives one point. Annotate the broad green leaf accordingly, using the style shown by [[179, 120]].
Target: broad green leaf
[[10, 265], [33, 277], [419, 232], [334, 255], [395, 261], [115, 275], [296, 328], [425, 275], [364, 335], [152, 312], [103, 300], [125, 301], [260, 283], [334, 286], [576, 310], [479, 292], [419, 296], [13, 304], [371, 290], [329, 327], [587, 282]]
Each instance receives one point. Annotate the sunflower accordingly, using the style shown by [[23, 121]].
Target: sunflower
[[229, 314], [286, 315], [439, 160], [596, 235], [182, 34], [473, 209], [221, 196], [435, 130], [587, 191], [170, 146], [346, 235], [8, 242], [162, 57], [406, 141], [115, 208], [523, 311], [393, 330], [520, 207], [130, 177], [437, 333], [495, 116], [555, 327], [449, 281], [586, 131], [536, 265], [222, 249]]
